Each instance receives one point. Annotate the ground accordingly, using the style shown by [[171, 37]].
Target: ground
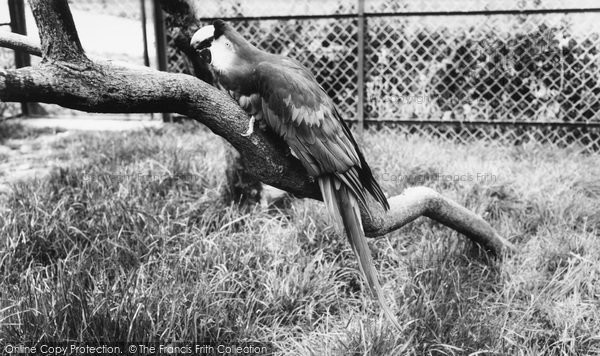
[[27, 146], [127, 238]]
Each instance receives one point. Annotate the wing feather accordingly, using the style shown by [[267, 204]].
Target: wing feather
[[299, 110]]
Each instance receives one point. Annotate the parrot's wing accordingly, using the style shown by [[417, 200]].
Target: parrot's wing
[[296, 107]]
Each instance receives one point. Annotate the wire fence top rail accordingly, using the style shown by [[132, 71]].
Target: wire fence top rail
[[479, 123], [408, 13]]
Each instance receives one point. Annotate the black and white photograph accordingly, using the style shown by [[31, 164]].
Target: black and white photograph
[[306, 177]]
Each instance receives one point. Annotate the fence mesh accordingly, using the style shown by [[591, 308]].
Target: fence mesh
[[540, 68], [510, 76]]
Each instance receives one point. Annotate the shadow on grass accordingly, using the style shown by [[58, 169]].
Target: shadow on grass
[[15, 130]]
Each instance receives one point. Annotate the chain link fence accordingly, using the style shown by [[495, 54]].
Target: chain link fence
[[509, 71]]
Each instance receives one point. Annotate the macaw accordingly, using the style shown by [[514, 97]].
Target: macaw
[[285, 94]]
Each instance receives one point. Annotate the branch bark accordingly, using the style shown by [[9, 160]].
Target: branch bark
[[415, 202], [68, 78], [19, 42], [58, 34]]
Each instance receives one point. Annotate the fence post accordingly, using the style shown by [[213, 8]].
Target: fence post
[[161, 44], [361, 67], [144, 33], [16, 8]]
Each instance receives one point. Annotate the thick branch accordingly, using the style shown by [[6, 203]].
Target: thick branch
[[57, 30], [421, 201], [102, 86]]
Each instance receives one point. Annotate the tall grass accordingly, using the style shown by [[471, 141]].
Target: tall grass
[[130, 240]]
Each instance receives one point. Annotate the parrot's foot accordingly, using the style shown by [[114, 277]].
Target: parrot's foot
[[250, 127]]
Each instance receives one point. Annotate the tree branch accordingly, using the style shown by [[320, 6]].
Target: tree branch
[[415, 202], [20, 43], [72, 80], [58, 34]]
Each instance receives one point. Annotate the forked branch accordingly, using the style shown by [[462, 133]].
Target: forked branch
[[69, 78]]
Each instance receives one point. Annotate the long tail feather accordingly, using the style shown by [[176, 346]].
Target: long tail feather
[[345, 209]]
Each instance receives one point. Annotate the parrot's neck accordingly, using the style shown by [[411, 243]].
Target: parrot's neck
[[240, 74]]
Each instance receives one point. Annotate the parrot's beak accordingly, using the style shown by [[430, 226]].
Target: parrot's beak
[[202, 40], [205, 55]]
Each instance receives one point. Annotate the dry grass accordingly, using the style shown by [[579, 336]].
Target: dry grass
[[130, 241]]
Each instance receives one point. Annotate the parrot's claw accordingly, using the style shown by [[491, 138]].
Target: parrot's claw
[[250, 127]]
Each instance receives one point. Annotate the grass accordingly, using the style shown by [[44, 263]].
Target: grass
[[18, 131], [130, 240]]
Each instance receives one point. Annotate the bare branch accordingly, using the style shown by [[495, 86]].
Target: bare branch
[[20, 43], [421, 201], [57, 30], [72, 80]]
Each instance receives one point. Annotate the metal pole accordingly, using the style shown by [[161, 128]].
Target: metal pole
[[361, 67], [161, 44], [161, 38], [145, 39], [144, 33], [18, 25]]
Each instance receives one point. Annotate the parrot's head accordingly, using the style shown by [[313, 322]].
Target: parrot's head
[[222, 46]]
